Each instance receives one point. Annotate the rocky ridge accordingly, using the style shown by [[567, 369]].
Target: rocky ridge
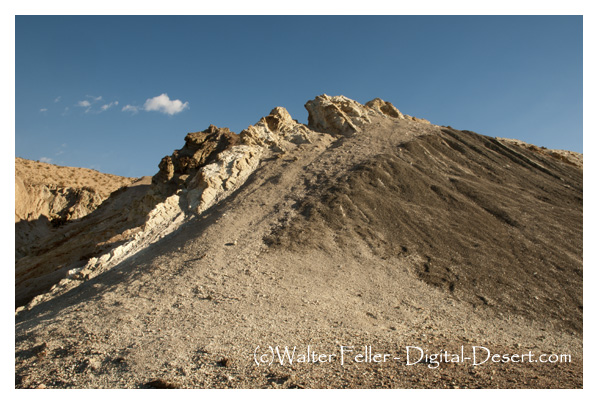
[[372, 230], [210, 166]]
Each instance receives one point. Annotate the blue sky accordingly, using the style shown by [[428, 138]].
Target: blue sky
[[119, 93]]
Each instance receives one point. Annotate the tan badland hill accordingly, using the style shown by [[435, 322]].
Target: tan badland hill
[[48, 196], [59, 192], [366, 227]]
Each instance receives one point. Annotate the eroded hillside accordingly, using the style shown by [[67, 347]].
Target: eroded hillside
[[488, 223], [48, 196], [60, 193], [364, 227]]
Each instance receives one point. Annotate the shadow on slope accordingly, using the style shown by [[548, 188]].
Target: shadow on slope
[[76, 242], [131, 273], [490, 223]]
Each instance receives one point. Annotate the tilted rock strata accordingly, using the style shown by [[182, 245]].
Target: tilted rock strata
[[336, 115], [200, 148], [161, 221], [211, 166], [60, 249], [277, 131], [216, 181]]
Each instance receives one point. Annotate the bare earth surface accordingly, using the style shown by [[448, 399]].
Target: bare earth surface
[[32, 177], [398, 233], [48, 196]]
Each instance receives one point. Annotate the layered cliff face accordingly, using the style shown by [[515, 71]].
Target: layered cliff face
[[365, 226]]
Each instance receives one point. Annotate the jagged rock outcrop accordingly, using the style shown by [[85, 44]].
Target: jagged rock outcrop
[[398, 232], [216, 181], [200, 149], [336, 115], [278, 131], [384, 107], [211, 165], [215, 162], [339, 115]]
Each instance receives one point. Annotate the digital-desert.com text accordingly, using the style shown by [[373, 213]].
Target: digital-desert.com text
[[408, 355]]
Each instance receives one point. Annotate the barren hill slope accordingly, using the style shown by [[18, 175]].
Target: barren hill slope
[[48, 196], [60, 192], [365, 228]]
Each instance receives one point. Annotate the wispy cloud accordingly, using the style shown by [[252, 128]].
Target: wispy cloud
[[161, 103], [91, 101], [57, 99], [131, 108], [43, 109], [85, 104], [107, 106], [45, 159], [61, 150], [165, 105]]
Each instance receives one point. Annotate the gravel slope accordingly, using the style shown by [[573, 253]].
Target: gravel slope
[[279, 263]]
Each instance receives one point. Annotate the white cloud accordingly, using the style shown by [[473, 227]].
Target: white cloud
[[164, 104], [107, 106], [45, 159], [134, 109], [87, 104], [57, 99], [43, 109]]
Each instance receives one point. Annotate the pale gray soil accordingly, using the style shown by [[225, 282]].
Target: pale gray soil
[[275, 264]]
